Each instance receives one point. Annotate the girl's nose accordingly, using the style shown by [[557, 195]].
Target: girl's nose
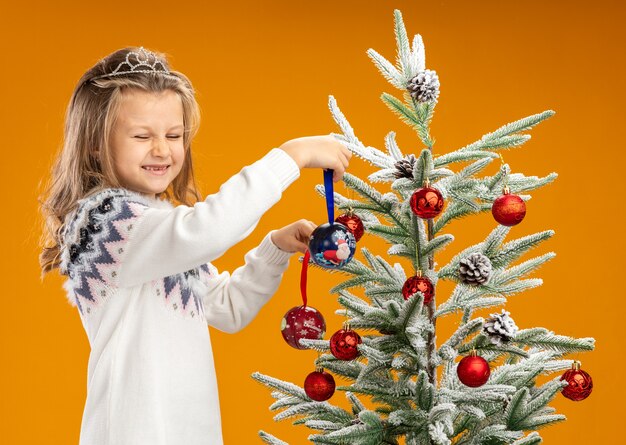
[[160, 147]]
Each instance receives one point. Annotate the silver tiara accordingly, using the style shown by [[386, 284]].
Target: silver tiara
[[144, 62]]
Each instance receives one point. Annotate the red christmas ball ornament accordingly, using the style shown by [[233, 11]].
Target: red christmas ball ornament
[[418, 283], [508, 209], [473, 371], [343, 344], [319, 385], [353, 223], [426, 202], [302, 322], [579, 383]]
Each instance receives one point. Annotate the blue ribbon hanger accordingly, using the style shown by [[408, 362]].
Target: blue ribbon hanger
[[330, 195]]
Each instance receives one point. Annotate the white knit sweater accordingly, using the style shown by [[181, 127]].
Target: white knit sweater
[[140, 275]]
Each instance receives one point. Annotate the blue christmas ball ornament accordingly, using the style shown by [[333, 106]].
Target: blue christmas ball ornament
[[332, 246]]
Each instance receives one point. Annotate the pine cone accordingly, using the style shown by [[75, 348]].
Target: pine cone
[[500, 328], [475, 269], [424, 86], [405, 167]]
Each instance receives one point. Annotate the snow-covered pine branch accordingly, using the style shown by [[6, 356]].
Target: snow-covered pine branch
[[270, 440]]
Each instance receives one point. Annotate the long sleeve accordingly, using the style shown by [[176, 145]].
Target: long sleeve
[[232, 301], [125, 241]]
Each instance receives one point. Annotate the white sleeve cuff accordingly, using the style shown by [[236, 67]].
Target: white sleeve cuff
[[283, 166], [271, 253]]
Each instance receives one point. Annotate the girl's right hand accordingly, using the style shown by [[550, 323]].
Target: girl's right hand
[[319, 152]]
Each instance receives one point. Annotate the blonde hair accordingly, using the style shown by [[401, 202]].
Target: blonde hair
[[84, 165]]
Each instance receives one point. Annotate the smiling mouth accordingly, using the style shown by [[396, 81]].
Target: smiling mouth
[[156, 170]]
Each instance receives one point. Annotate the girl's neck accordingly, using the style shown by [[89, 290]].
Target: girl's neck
[[150, 196]]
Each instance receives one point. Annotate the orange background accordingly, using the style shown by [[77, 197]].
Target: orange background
[[263, 71]]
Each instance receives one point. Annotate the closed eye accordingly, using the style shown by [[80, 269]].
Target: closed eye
[[172, 136]]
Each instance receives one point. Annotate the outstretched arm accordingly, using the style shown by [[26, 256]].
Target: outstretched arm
[[129, 240], [232, 301]]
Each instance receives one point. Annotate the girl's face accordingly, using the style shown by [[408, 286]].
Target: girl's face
[[147, 140]]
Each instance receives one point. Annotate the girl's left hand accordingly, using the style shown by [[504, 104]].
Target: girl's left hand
[[294, 237]]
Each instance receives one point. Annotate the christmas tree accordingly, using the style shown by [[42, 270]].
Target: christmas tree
[[480, 386]]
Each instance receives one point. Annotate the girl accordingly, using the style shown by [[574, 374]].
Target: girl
[[138, 265]]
